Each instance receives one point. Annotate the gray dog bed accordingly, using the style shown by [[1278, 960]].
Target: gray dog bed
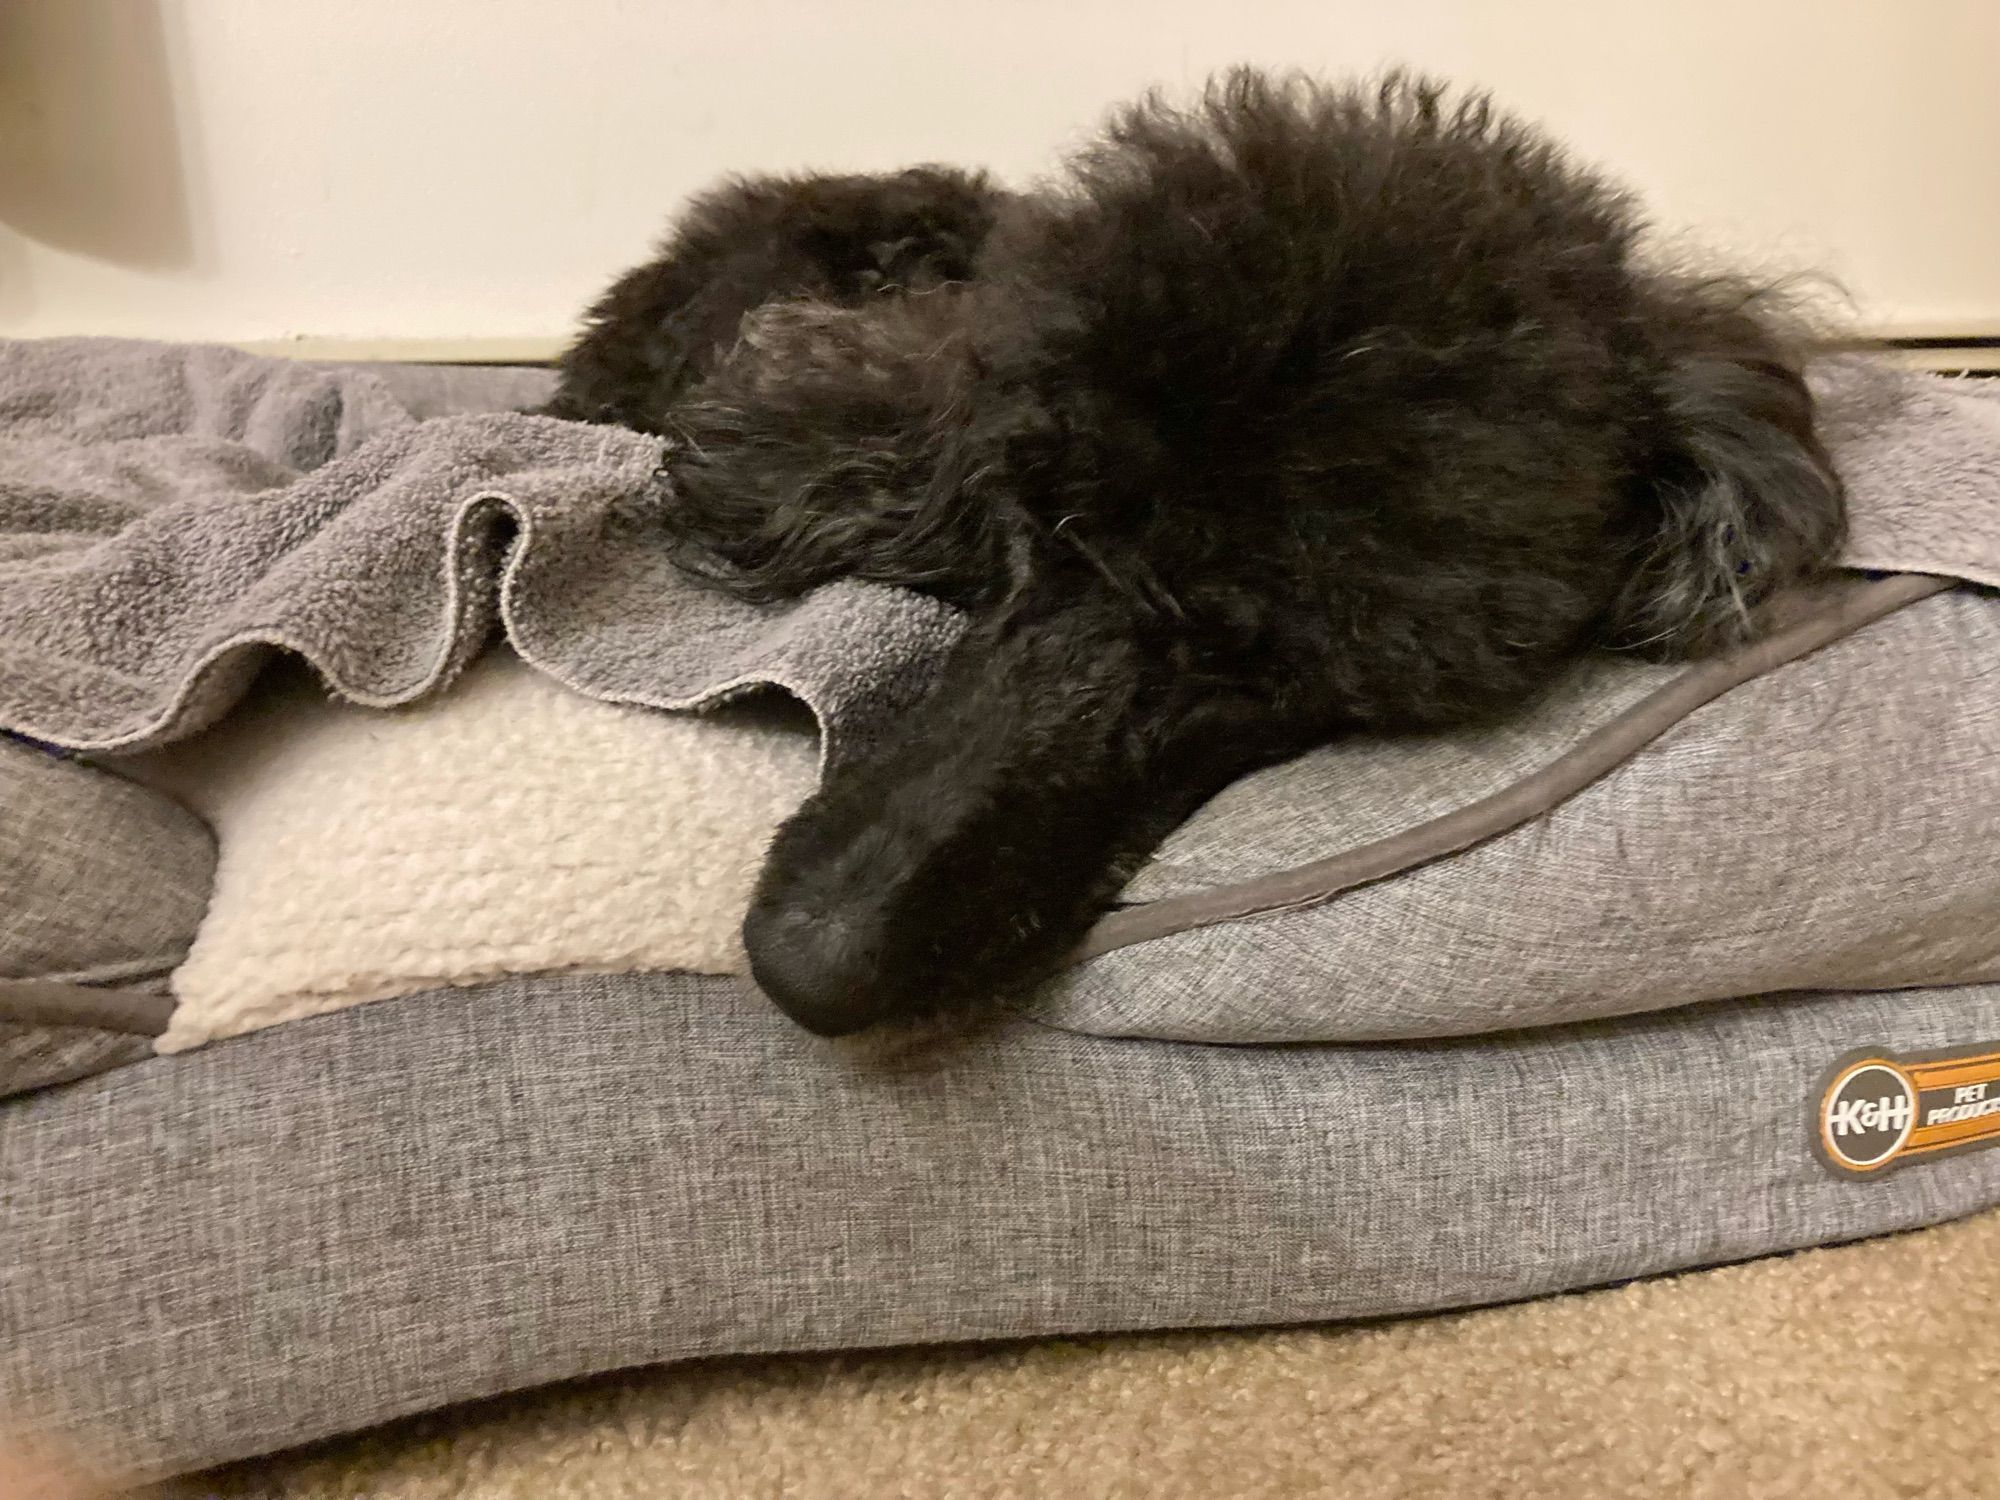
[[1488, 991]]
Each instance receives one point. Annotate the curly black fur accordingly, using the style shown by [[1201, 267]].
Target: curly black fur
[[1302, 412], [838, 240]]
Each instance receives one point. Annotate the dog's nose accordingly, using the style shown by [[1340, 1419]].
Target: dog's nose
[[819, 970]]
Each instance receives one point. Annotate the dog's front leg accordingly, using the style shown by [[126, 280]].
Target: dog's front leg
[[965, 857]]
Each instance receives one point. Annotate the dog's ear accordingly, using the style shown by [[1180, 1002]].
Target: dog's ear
[[839, 442], [1742, 500]]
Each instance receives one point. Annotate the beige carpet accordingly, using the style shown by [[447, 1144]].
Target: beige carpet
[[1871, 1370]]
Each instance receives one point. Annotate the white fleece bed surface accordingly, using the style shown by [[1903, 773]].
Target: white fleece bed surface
[[505, 826]]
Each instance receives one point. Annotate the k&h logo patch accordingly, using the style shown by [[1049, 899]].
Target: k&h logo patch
[[1876, 1110]]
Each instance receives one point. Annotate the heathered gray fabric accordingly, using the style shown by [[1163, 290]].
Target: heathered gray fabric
[[1830, 825], [170, 514], [1921, 458], [102, 884], [1356, 795], [435, 1199], [101, 880], [36, 1057], [139, 1008]]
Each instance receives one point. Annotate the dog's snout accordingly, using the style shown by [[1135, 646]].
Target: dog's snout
[[820, 970]]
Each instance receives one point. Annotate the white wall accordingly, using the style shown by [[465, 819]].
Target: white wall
[[251, 169]]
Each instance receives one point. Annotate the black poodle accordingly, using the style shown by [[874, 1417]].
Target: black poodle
[[1303, 412]]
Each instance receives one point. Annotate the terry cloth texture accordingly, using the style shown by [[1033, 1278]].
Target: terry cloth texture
[[1866, 1372], [1921, 459], [507, 826], [170, 514], [358, 1217], [102, 884]]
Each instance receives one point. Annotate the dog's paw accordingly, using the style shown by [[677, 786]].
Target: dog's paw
[[823, 972]]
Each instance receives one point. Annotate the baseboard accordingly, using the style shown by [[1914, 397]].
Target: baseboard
[[1923, 350], [486, 351], [1971, 356]]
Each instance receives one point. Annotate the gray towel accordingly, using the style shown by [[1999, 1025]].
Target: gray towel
[[169, 514]]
